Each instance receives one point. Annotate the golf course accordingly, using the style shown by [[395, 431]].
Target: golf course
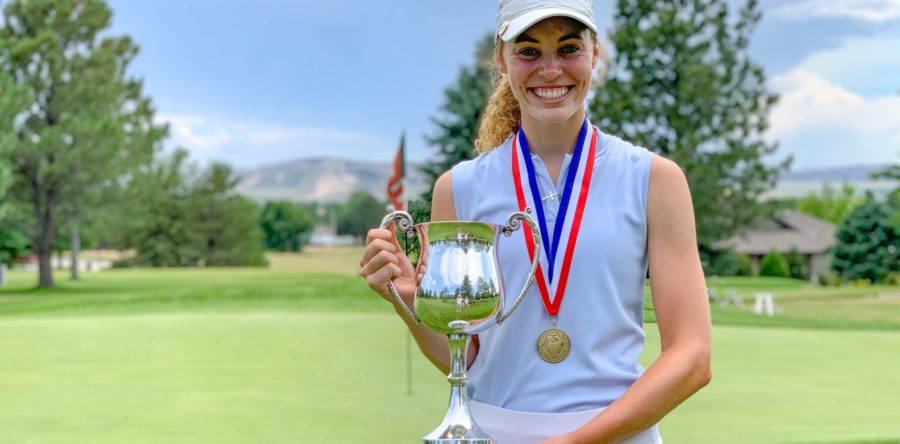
[[302, 352]]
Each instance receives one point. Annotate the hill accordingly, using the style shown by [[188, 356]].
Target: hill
[[333, 179], [322, 179]]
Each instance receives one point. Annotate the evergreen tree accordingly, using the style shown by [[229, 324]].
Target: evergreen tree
[[464, 104], [285, 225], [360, 213], [84, 124], [183, 216], [12, 99], [682, 84], [868, 246]]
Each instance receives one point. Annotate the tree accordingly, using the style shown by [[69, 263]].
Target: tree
[[464, 104], [682, 84], [181, 216], [84, 125], [892, 172], [829, 204], [13, 242], [226, 223], [868, 246], [286, 226], [12, 99], [360, 213]]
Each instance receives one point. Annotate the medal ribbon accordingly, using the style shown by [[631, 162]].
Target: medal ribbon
[[581, 165]]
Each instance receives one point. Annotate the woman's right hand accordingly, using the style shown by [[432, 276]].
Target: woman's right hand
[[383, 261]]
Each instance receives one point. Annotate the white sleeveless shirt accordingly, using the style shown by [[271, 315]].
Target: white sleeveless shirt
[[602, 310]]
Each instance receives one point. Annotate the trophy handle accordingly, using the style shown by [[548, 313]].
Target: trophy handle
[[404, 222], [512, 224]]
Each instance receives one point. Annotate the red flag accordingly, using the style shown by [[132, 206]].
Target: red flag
[[395, 182]]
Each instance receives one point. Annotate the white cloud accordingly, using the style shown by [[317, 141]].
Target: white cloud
[[865, 10], [196, 133], [264, 134], [246, 143], [812, 104], [866, 65]]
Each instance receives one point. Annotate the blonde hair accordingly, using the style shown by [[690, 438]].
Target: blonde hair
[[502, 115]]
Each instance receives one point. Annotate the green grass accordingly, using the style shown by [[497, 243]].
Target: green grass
[[340, 377], [304, 352]]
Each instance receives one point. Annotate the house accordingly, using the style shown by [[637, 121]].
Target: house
[[789, 231]]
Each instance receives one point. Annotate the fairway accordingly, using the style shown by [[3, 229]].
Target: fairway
[[340, 377], [296, 353]]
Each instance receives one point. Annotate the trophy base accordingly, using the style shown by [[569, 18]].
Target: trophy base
[[459, 441], [458, 426], [457, 435]]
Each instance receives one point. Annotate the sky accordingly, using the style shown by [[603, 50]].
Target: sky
[[256, 83]]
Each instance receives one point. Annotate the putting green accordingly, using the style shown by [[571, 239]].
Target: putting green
[[340, 377]]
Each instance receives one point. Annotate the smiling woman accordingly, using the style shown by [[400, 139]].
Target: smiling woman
[[608, 211]]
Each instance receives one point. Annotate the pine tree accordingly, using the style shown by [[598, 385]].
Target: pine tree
[[868, 246], [83, 125], [682, 84], [464, 104]]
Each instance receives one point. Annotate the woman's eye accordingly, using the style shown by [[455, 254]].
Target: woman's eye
[[528, 52], [569, 50]]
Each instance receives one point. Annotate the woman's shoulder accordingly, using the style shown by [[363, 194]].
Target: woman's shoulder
[[491, 159], [612, 145]]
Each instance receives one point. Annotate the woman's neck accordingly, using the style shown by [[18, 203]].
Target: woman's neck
[[552, 139]]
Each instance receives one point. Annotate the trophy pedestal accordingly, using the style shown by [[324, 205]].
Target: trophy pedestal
[[458, 426]]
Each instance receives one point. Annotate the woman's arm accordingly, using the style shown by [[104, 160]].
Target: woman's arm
[[382, 260], [682, 316]]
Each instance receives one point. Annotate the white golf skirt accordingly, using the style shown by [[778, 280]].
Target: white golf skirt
[[515, 427]]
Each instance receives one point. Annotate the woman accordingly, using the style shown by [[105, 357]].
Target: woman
[[564, 368]]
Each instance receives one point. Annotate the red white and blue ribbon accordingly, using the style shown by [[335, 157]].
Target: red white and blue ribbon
[[557, 254]]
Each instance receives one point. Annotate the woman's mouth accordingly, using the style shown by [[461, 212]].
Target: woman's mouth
[[552, 94]]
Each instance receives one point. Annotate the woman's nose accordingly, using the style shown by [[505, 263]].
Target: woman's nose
[[550, 67]]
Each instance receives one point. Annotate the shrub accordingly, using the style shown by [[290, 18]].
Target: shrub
[[773, 264], [725, 263], [796, 263]]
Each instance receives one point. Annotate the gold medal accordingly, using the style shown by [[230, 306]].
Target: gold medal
[[553, 345]]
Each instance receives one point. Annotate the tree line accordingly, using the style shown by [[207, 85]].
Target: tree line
[[81, 159]]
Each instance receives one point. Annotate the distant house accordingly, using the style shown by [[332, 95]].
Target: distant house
[[326, 236], [790, 230]]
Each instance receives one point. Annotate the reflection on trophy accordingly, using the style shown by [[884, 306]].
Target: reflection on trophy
[[461, 293]]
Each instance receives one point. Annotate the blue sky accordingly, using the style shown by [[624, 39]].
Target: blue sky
[[253, 83]]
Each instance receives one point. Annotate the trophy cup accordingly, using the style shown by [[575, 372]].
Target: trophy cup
[[461, 293]]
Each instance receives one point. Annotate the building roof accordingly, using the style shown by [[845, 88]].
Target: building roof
[[794, 230]]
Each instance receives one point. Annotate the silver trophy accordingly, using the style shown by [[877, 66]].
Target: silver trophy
[[461, 293]]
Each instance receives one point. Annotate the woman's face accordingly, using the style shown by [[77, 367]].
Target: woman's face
[[549, 67]]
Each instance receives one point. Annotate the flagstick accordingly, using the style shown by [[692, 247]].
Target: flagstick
[[405, 201]]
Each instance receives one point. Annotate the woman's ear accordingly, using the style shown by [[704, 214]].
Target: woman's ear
[[595, 57], [498, 59]]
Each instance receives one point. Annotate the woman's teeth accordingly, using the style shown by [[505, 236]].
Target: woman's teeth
[[551, 93]]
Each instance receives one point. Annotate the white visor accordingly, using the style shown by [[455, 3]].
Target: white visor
[[512, 28]]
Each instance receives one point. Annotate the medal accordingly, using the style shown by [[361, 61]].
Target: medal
[[553, 344]]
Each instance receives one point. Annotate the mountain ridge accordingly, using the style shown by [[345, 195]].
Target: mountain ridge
[[335, 178]]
